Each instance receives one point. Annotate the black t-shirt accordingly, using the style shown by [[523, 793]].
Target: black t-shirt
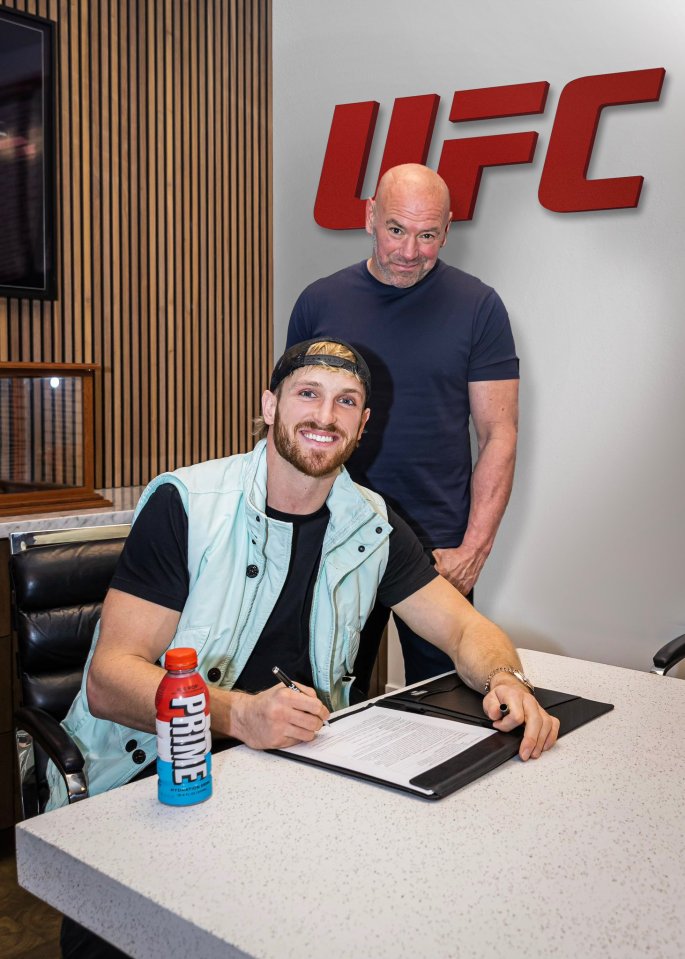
[[154, 566]]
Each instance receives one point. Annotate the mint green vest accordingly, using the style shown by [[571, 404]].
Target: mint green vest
[[238, 560]]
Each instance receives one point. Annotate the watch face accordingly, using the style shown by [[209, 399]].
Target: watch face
[[524, 679]]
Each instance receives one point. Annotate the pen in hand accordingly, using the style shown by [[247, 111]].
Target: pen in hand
[[287, 681], [504, 709]]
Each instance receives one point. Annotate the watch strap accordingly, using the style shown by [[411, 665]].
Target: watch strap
[[514, 672]]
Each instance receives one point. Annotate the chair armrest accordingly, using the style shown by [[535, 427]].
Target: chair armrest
[[52, 738], [670, 654]]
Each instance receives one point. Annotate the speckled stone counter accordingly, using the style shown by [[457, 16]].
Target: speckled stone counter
[[580, 854], [123, 500]]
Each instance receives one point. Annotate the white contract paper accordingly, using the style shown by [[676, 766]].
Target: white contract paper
[[389, 744]]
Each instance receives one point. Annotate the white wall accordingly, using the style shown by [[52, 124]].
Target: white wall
[[590, 559]]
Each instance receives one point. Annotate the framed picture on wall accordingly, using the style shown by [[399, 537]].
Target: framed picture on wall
[[27, 156]]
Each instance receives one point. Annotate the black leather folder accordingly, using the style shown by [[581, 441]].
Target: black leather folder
[[450, 698]]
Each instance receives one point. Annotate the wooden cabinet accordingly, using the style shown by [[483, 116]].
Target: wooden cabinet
[[47, 458]]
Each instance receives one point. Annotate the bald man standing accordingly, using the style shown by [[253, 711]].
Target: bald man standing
[[441, 351]]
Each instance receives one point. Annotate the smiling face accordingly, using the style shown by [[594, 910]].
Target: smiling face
[[409, 221], [317, 419]]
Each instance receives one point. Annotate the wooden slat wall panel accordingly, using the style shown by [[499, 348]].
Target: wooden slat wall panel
[[164, 226]]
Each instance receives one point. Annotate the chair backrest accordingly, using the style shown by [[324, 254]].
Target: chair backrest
[[59, 581]]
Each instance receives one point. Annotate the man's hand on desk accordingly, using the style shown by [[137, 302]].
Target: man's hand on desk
[[541, 729], [277, 717]]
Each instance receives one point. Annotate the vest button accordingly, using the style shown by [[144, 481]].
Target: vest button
[[138, 756], [214, 674], [379, 529], [252, 571], [131, 745], [362, 549]]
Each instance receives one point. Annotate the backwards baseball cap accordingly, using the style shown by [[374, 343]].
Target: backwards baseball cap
[[297, 356]]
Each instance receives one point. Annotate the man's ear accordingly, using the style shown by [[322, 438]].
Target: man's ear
[[365, 418], [269, 404], [447, 230], [370, 214]]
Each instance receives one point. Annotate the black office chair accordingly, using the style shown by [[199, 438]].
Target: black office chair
[[669, 656], [59, 581]]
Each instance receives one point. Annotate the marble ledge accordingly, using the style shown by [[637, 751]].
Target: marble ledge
[[123, 499]]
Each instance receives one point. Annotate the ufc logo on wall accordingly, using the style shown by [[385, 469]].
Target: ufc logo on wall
[[564, 187]]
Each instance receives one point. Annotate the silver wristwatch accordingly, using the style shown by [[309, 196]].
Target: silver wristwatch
[[514, 672]]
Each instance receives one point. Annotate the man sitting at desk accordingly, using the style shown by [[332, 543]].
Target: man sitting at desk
[[275, 557]]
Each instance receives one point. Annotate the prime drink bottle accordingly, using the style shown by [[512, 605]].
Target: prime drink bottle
[[184, 758]]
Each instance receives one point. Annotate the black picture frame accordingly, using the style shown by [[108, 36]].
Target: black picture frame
[[28, 243]]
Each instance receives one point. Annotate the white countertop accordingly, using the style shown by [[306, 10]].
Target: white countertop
[[122, 498], [580, 854]]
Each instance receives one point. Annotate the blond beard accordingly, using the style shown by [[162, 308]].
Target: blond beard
[[313, 463]]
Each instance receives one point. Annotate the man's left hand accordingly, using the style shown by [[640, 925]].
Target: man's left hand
[[540, 729], [460, 566]]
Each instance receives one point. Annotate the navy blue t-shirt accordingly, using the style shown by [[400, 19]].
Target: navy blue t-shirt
[[424, 344]]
